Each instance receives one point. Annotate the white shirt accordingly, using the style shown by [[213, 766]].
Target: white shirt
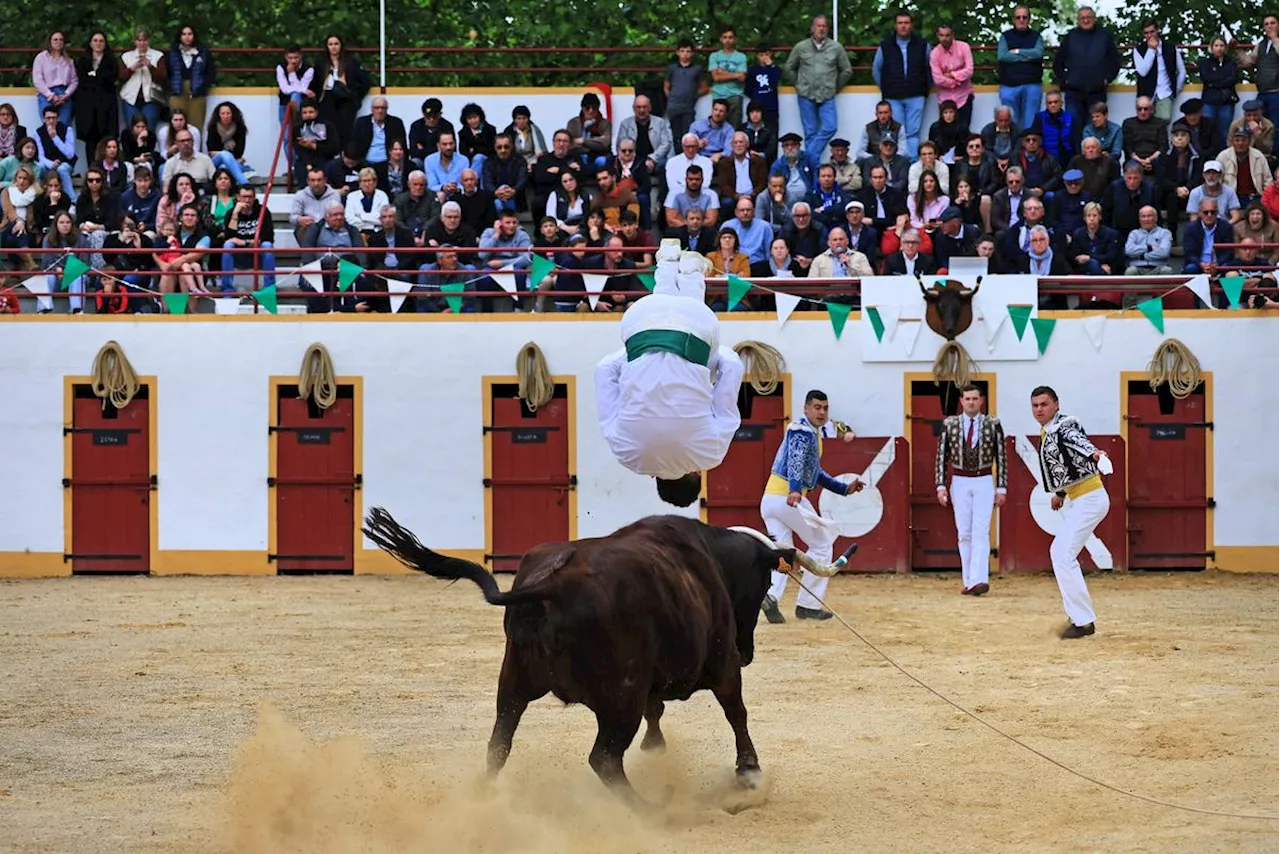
[[1155, 56], [965, 420], [661, 414], [742, 176], [679, 164]]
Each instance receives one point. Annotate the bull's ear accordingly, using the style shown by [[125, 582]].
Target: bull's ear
[[784, 558]]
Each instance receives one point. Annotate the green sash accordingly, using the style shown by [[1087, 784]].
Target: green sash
[[689, 347]]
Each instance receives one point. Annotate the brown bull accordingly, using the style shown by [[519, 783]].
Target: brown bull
[[655, 611]]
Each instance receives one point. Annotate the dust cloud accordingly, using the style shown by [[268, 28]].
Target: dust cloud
[[288, 793]]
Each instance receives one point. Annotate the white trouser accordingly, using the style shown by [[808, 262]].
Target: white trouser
[[783, 523], [972, 498], [1079, 517]]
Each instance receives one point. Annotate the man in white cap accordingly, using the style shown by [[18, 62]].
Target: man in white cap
[[667, 402]]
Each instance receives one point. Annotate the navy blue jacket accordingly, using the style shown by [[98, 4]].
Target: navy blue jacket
[[1193, 244], [916, 82], [202, 74], [1086, 61], [1106, 247]]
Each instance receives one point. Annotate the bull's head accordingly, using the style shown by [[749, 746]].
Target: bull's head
[[949, 306]]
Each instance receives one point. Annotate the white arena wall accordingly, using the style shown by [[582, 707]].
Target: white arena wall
[[552, 107], [421, 380]]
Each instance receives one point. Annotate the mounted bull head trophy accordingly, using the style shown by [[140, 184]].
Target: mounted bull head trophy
[[949, 312], [949, 306]]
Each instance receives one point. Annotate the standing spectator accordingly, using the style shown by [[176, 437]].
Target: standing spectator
[[1020, 55], [951, 62], [226, 140], [1161, 73], [54, 76], [293, 82], [1057, 127], [343, 85], [1262, 133], [144, 72], [424, 134], [476, 136], [763, 80], [57, 147], [820, 68], [1204, 134], [591, 134], [728, 67], [682, 86], [651, 135], [374, 133], [1265, 58], [902, 71], [1085, 64], [1105, 131], [96, 115], [1218, 77], [191, 75]]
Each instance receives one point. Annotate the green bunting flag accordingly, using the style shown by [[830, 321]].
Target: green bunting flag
[[1233, 287], [177, 303], [267, 298], [873, 314], [539, 269], [1044, 331], [1154, 310], [72, 270], [347, 273], [646, 279], [1019, 314], [451, 290], [738, 288], [838, 314]]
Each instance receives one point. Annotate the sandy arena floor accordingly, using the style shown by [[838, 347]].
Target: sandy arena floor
[[337, 715]]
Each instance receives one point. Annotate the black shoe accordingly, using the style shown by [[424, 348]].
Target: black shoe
[[812, 614], [1074, 631], [771, 612], [979, 588]]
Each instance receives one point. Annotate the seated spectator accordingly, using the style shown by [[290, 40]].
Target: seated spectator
[[17, 215], [611, 200], [1006, 204], [954, 238], [1057, 128], [364, 206], [1124, 198], [947, 134], [503, 247], [548, 238], [567, 286], [29, 156], [315, 142], [64, 236], [97, 213], [1041, 172], [1041, 259], [551, 166], [925, 206], [1181, 171], [11, 133], [1257, 226], [343, 172], [416, 206], [1096, 249], [444, 167], [897, 168], [1105, 131], [48, 205], [1249, 257], [449, 229], [311, 204], [242, 231], [385, 253], [106, 158], [622, 279], [1212, 187], [1244, 167], [797, 167], [781, 264], [633, 235], [969, 162], [869, 141], [975, 209], [138, 146], [374, 133], [631, 173], [181, 262], [862, 236], [1205, 134], [754, 236], [714, 132], [424, 133], [739, 173], [226, 140], [56, 148], [1262, 133], [828, 199], [478, 211], [216, 207], [693, 235], [650, 135], [394, 172], [476, 137], [182, 192], [1271, 198], [987, 249], [569, 204], [447, 269], [762, 137], [527, 136], [1148, 246], [806, 236], [909, 260], [1068, 204], [167, 134], [928, 162], [848, 173], [591, 134], [141, 201], [188, 161], [506, 173], [693, 195], [726, 260], [1015, 243], [771, 203], [886, 206], [993, 176], [1203, 238], [126, 285], [1000, 137], [1099, 170], [343, 241], [838, 261], [1145, 136]]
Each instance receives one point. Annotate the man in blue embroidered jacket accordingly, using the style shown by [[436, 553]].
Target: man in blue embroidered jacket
[[797, 468]]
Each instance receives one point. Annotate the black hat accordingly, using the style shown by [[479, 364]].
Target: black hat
[[432, 107], [839, 143], [1191, 105], [1031, 131], [790, 137], [1250, 105]]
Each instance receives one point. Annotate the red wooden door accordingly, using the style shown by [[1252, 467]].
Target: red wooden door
[[110, 485], [735, 486], [315, 484], [530, 480], [934, 543], [877, 517], [1168, 493], [1027, 517]]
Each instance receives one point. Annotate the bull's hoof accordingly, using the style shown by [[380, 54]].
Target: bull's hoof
[[653, 741], [750, 778]]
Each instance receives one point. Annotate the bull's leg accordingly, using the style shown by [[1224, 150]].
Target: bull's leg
[[729, 693], [615, 732], [515, 691], [653, 737]]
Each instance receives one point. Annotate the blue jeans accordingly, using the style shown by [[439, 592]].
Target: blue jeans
[[150, 111], [296, 98], [228, 161], [909, 111], [1093, 268], [1221, 114], [1269, 105], [55, 285], [65, 111], [1024, 101], [230, 261], [820, 124], [477, 166]]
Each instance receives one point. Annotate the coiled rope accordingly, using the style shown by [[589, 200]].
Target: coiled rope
[[1176, 365], [762, 363], [114, 379], [954, 364], [536, 386], [316, 379]]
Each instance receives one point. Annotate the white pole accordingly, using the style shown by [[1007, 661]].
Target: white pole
[[835, 20], [382, 45]]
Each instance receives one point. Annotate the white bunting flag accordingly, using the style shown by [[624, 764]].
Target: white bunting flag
[[594, 282], [226, 305], [991, 323], [397, 300], [506, 279], [38, 285], [889, 316], [311, 272], [910, 332], [786, 304], [1199, 285], [1093, 328]]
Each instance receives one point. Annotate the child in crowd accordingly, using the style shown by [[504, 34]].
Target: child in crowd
[[763, 80], [685, 82]]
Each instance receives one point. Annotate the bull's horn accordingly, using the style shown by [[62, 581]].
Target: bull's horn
[[920, 282], [968, 292], [752, 532], [813, 566]]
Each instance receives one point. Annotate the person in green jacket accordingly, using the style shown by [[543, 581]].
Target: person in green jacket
[[820, 68]]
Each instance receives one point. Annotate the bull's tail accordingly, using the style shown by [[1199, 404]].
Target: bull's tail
[[401, 544]]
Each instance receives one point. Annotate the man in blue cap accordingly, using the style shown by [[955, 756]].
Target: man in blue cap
[[1068, 203]]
